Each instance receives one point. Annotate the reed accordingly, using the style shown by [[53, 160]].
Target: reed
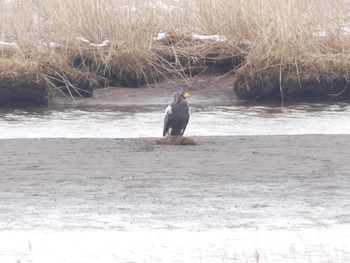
[[304, 45], [268, 44]]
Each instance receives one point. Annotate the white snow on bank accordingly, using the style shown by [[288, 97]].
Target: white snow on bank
[[164, 36], [163, 6], [319, 33], [344, 31], [50, 44], [209, 37], [104, 43], [53, 45], [8, 44], [84, 40], [161, 36]]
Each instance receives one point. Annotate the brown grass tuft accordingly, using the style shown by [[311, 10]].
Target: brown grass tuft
[[293, 49], [176, 140], [21, 83]]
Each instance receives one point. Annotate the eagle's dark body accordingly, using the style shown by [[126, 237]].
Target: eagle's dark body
[[177, 115]]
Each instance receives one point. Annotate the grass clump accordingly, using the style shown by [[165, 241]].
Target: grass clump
[[176, 140], [130, 68], [21, 83], [188, 54], [297, 54]]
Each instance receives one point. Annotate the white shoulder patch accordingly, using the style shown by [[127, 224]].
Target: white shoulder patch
[[168, 110]]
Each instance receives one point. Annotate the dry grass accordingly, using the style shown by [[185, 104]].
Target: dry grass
[[266, 41], [21, 83], [304, 42], [176, 140]]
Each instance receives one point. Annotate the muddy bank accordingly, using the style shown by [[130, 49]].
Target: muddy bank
[[24, 95], [204, 90], [217, 90], [291, 89], [273, 182], [213, 89], [21, 84]]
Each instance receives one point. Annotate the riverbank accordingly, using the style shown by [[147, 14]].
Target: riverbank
[[275, 55], [206, 90]]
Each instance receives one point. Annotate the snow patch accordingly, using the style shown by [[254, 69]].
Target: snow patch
[[344, 31], [104, 43], [209, 37], [161, 36], [319, 33], [8, 44], [50, 44], [164, 36], [84, 40]]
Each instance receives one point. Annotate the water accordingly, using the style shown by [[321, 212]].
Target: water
[[148, 121]]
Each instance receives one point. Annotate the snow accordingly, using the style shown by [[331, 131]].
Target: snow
[[164, 36], [10, 44], [161, 36], [104, 43], [84, 40], [209, 37], [50, 44], [344, 31]]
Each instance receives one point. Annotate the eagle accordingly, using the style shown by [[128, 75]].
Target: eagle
[[177, 115]]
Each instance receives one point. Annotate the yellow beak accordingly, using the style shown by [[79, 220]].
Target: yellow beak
[[186, 94]]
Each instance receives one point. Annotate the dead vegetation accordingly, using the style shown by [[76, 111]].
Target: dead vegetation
[[21, 83], [275, 48], [176, 140], [301, 53]]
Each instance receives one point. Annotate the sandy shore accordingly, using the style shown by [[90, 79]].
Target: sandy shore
[[273, 182]]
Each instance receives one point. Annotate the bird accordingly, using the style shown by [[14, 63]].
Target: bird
[[177, 115]]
